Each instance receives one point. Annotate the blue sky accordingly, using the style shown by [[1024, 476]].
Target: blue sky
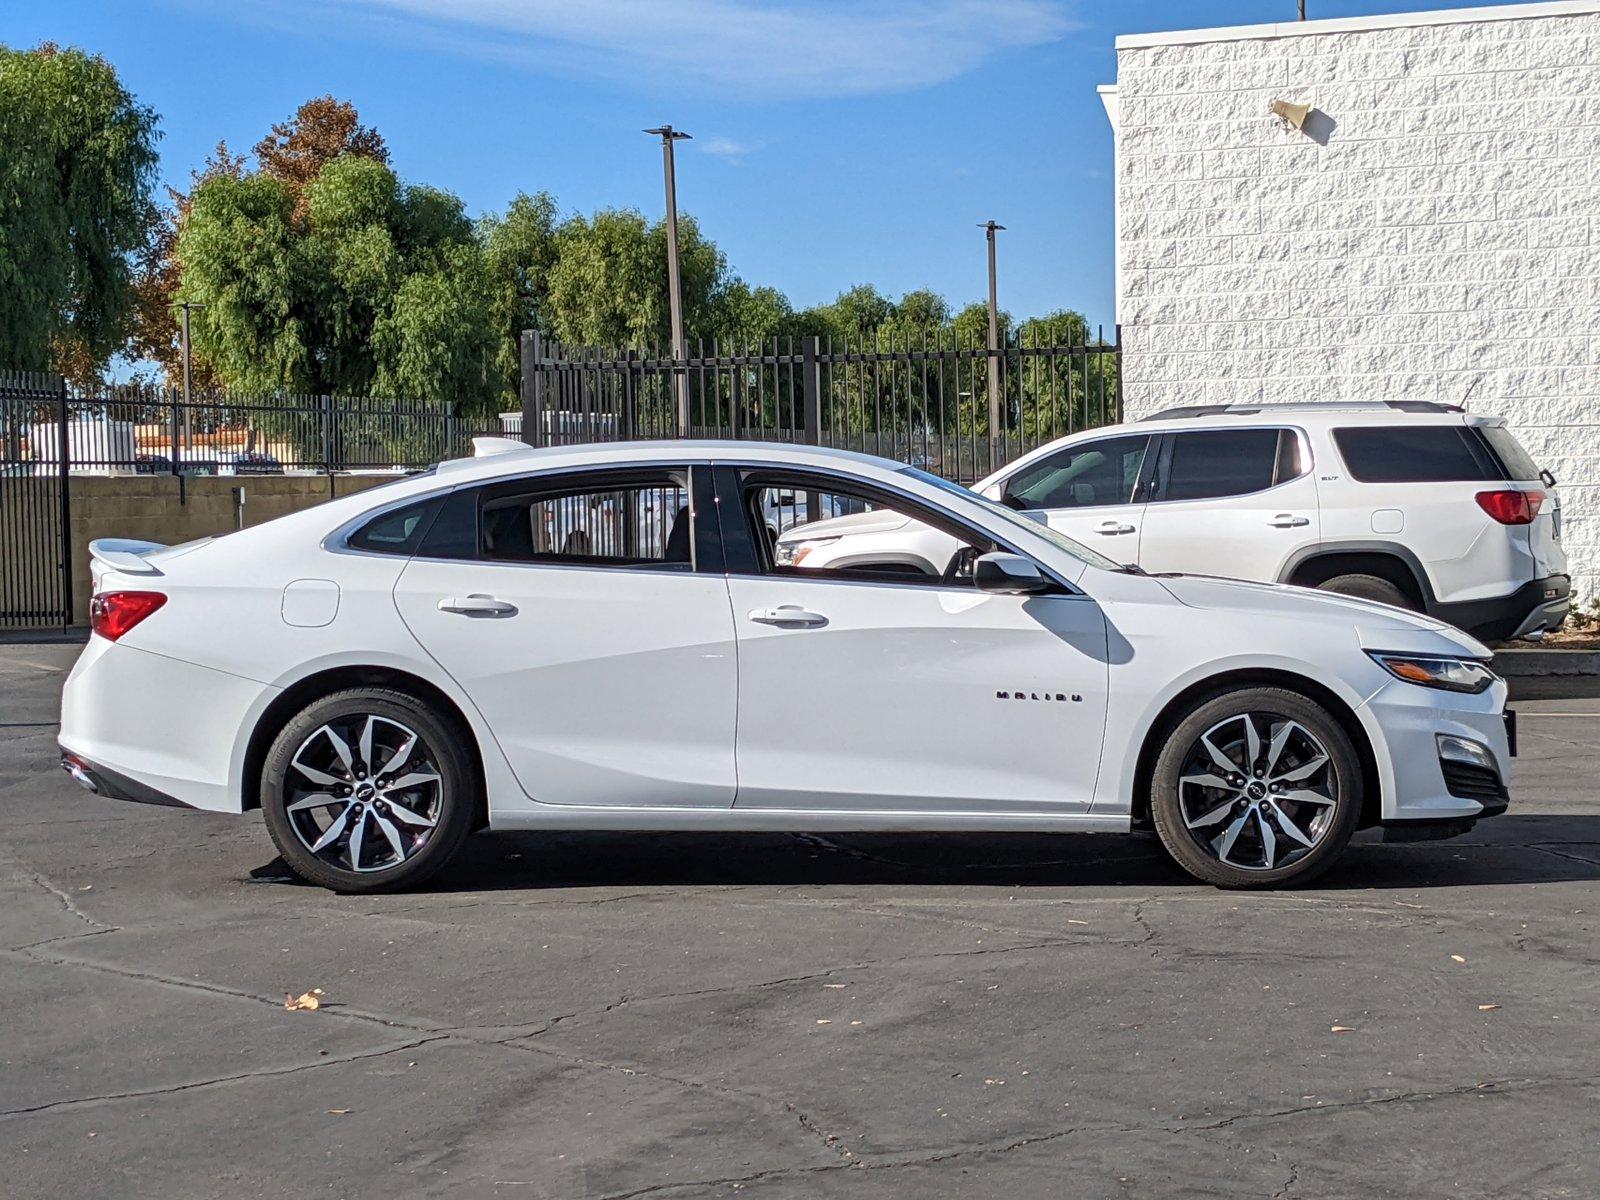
[[835, 141]]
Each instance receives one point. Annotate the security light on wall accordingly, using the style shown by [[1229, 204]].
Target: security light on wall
[[1291, 114]]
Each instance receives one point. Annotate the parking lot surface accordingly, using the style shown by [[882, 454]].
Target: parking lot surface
[[772, 1016]]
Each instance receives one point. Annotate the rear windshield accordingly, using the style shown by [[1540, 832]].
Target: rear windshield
[[1513, 457], [1417, 454]]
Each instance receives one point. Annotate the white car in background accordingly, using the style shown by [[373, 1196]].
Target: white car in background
[[1418, 505], [387, 672]]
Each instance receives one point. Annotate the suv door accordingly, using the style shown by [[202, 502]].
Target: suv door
[[1090, 491], [587, 616], [1234, 502], [863, 687]]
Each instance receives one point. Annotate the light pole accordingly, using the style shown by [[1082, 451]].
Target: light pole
[[188, 431], [993, 228], [680, 349]]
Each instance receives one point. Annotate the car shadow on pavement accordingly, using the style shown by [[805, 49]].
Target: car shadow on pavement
[[1510, 849]]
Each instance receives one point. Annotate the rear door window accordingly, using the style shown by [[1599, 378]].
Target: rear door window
[[1224, 462], [1416, 454]]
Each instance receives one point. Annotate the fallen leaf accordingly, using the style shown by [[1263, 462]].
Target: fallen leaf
[[835, 986], [855, 1022], [1342, 1029], [304, 1002], [339, 1112], [1070, 921], [824, 1021], [1457, 958], [1487, 1007]]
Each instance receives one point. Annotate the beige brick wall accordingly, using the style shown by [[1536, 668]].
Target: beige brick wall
[[1435, 236]]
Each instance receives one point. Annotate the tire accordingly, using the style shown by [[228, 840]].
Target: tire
[[1319, 803], [1368, 587], [399, 835]]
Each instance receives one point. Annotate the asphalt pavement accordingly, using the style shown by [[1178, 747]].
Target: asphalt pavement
[[615, 1016]]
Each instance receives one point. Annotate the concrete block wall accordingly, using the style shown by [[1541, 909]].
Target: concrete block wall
[[1433, 233], [160, 508]]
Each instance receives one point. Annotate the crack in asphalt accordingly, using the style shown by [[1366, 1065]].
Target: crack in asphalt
[[192, 1085], [897, 1162]]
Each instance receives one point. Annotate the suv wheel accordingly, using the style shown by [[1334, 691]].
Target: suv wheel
[[1368, 587], [367, 790], [1256, 787]]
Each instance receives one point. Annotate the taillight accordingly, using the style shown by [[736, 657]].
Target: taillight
[[112, 614], [1511, 507]]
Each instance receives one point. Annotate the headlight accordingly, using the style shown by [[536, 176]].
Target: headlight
[[790, 554], [1429, 670]]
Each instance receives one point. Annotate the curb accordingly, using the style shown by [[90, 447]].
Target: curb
[[75, 636], [1540, 664]]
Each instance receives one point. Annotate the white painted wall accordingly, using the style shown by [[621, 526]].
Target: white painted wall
[[1433, 234]]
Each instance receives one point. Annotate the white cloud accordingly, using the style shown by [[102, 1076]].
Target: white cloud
[[765, 48], [726, 148]]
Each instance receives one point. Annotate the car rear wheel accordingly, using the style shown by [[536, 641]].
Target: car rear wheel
[[367, 790], [1256, 787], [1368, 587]]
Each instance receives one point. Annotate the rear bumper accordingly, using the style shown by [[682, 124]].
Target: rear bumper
[[1536, 606], [156, 730], [103, 781]]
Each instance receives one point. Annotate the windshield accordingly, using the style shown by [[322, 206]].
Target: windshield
[[1078, 551]]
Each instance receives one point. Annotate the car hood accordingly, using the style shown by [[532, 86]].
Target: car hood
[[1378, 626], [880, 521]]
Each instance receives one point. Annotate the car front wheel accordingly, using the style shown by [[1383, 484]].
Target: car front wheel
[[367, 790], [1256, 787]]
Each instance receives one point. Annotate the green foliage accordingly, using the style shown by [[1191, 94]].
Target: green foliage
[[376, 287], [77, 169]]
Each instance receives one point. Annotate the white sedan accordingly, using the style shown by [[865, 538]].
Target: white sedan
[[385, 673]]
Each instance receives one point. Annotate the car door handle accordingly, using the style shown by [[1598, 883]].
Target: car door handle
[[1112, 527], [1288, 521], [477, 606], [787, 614]]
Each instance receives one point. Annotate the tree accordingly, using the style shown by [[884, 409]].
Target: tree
[[77, 172], [358, 284], [519, 251], [320, 131], [608, 284]]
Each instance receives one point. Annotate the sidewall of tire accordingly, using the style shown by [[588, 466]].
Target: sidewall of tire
[[1368, 587], [442, 738], [1166, 812]]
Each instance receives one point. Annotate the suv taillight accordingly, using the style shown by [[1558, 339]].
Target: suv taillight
[[112, 614], [1511, 507]]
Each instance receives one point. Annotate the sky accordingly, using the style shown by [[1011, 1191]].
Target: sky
[[835, 142]]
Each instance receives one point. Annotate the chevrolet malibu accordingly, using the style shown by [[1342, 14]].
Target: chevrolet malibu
[[606, 637]]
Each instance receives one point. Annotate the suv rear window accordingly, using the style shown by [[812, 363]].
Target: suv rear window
[[1416, 454], [1518, 463]]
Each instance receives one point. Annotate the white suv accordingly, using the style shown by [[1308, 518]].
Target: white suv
[[1416, 504]]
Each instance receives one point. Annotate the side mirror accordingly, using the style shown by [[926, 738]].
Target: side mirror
[[1009, 574]]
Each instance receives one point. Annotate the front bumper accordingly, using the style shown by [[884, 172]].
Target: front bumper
[[1537, 606], [1421, 789]]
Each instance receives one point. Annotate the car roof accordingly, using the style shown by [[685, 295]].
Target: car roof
[[1373, 412], [505, 459]]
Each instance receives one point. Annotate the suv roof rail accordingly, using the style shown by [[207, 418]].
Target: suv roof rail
[[1242, 410]]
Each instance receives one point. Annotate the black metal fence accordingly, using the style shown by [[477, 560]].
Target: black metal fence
[[47, 427], [925, 401], [51, 432]]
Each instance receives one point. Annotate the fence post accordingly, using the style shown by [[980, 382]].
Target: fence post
[[1116, 365], [68, 609], [811, 389], [172, 399], [532, 388], [327, 440]]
